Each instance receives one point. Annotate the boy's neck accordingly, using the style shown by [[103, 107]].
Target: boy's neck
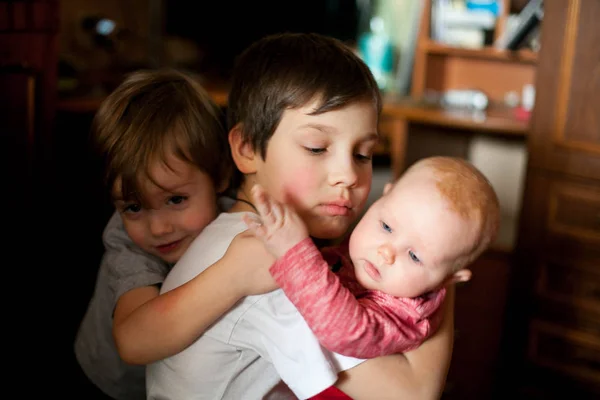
[[242, 203]]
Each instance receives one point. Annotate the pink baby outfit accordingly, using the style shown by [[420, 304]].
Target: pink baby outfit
[[347, 318]]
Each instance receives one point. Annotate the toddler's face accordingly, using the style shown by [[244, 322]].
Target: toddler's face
[[408, 242], [321, 164], [181, 202]]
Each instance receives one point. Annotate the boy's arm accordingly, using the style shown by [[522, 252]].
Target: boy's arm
[[149, 326], [344, 324], [419, 374]]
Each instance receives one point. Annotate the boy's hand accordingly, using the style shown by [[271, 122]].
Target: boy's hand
[[250, 262], [278, 226]]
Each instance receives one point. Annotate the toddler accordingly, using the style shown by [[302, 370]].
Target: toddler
[[165, 156]]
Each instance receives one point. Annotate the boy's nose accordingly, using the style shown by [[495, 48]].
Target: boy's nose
[[387, 253], [343, 173], [160, 226]]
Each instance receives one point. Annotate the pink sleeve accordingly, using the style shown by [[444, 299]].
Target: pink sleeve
[[375, 324]]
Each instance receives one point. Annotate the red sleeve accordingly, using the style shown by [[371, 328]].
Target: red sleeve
[[375, 324]]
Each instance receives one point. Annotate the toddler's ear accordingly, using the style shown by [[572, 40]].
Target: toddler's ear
[[462, 275], [241, 151]]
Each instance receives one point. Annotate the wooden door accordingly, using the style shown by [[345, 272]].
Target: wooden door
[[552, 334], [565, 129]]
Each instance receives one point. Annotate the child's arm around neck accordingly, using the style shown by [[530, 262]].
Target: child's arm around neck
[[149, 326]]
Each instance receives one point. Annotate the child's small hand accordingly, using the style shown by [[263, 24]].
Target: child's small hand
[[250, 263], [278, 226]]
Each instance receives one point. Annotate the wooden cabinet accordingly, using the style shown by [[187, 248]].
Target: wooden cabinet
[[552, 336], [28, 65]]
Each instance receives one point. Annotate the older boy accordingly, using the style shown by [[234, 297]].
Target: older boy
[[303, 115]]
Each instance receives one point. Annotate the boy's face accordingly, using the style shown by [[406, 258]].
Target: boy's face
[[409, 240], [180, 205], [321, 164]]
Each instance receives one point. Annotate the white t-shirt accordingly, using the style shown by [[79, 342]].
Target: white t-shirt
[[249, 349]]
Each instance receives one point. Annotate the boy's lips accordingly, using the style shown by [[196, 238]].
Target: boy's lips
[[371, 271], [168, 247], [337, 208]]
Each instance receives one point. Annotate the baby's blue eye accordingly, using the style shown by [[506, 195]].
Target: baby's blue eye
[[386, 227], [413, 256]]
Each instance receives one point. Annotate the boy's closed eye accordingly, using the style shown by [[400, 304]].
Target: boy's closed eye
[[363, 158], [315, 150]]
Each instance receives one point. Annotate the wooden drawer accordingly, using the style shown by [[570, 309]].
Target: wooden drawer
[[576, 284], [568, 351], [574, 211], [564, 220], [564, 314]]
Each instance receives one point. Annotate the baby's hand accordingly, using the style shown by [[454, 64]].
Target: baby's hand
[[278, 226]]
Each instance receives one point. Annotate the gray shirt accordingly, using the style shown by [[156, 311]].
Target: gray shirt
[[124, 267]]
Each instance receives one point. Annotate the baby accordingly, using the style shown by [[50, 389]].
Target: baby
[[419, 237]]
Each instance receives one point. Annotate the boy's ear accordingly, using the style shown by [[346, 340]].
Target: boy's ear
[[462, 275], [242, 152]]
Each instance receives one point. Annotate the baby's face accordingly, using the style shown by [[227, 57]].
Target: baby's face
[[180, 203], [409, 240]]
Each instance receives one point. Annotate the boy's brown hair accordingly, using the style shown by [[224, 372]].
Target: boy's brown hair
[[152, 114], [287, 71]]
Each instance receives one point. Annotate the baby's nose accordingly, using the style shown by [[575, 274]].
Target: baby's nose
[[387, 253]]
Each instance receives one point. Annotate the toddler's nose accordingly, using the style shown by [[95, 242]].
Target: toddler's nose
[[160, 226]]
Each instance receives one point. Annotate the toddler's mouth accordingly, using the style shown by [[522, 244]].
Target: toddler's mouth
[[169, 247]]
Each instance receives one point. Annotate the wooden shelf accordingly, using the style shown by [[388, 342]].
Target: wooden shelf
[[90, 104], [498, 120], [487, 53]]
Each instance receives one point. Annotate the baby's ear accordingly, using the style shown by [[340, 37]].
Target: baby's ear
[[462, 275], [388, 186], [241, 151]]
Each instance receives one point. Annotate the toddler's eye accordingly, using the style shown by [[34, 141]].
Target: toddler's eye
[[413, 256], [132, 208], [177, 199], [386, 227]]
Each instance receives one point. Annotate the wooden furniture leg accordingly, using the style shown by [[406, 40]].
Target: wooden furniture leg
[[398, 140]]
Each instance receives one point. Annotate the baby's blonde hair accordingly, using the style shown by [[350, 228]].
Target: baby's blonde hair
[[468, 193]]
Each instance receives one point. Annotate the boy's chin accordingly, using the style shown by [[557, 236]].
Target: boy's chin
[[330, 230]]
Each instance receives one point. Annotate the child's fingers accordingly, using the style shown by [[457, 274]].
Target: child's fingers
[[276, 215], [254, 224], [269, 209], [261, 201]]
